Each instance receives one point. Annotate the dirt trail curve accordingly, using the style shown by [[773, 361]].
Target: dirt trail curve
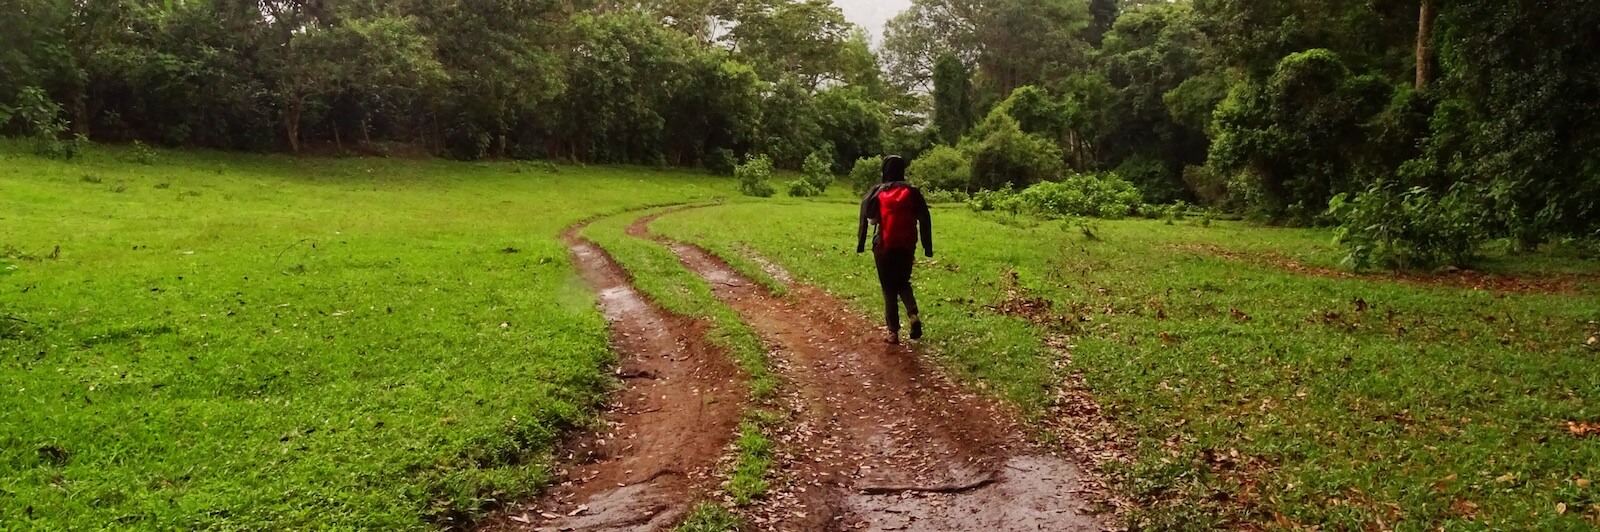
[[880, 441], [664, 433]]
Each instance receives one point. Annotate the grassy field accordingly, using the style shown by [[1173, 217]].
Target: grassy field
[[1253, 390], [255, 342]]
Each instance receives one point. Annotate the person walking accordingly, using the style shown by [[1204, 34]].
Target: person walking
[[900, 213]]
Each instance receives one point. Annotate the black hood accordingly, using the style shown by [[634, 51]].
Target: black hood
[[894, 169]]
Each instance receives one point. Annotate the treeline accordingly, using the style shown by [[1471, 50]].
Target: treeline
[[671, 82], [1424, 128]]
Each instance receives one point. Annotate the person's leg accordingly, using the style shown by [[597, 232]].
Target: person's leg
[[887, 271], [907, 294]]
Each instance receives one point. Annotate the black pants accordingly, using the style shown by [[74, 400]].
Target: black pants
[[894, 275]]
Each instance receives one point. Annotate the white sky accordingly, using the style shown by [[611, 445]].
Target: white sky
[[871, 14]]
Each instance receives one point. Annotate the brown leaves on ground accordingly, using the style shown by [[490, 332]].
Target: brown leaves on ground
[[1449, 277], [1583, 429], [1464, 508]]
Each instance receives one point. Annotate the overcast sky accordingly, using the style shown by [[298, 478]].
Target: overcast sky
[[871, 14]]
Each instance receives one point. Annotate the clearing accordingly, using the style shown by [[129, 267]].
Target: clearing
[[265, 342]]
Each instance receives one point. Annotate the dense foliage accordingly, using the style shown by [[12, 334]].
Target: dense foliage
[[664, 82], [1454, 123], [1270, 108]]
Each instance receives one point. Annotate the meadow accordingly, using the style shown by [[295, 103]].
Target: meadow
[[262, 342], [1252, 379], [225, 341]]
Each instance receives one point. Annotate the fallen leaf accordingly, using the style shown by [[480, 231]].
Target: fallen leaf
[[548, 515], [1508, 477], [1581, 482], [581, 508], [1561, 508], [521, 519]]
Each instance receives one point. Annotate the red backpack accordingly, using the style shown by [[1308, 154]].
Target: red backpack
[[898, 213]]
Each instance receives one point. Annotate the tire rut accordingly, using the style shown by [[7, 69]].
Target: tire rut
[[879, 439], [664, 433]]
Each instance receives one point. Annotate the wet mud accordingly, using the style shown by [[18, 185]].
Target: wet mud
[[665, 431], [880, 440]]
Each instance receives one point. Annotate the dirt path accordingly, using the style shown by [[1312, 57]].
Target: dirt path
[[881, 441], [664, 433]]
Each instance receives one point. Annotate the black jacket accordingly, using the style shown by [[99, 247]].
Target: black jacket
[[869, 213]]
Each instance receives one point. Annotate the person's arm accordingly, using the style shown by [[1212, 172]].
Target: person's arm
[[869, 209], [925, 222]]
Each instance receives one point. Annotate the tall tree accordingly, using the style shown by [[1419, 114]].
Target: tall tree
[[914, 39], [952, 98]]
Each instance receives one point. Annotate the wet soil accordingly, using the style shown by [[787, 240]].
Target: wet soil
[[664, 432], [880, 440]]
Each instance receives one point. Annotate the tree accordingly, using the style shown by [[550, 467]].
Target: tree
[[1425, 44], [914, 40], [801, 39], [952, 98], [1298, 133], [1152, 51]]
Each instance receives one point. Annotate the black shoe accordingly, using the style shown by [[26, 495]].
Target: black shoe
[[916, 330], [894, 337]]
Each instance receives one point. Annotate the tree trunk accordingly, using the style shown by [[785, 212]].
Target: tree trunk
[[80, 114], [1425, 45], [291, 121]]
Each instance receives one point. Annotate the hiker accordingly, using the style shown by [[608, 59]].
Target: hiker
[[898, 210]]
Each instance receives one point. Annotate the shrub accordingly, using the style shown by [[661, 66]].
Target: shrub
[[1007, 156], [1100, 196], [722, 161], [1209, 186], [989, 200], [817, 171], [867, 172], [946, 196], [143, 153], [803, 188], [754, 175], [942, 168], [1396, 227], [1154, 179]]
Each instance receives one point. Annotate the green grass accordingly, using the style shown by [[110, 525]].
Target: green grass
[[260, 342], [1347, 401]]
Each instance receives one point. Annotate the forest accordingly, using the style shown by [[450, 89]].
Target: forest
[[600, 264], [1424, 129]]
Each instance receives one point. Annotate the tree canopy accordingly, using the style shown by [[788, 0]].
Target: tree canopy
[[1298, 111]]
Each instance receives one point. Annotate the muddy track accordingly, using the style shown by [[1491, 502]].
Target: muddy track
[[878, 439], [664, 433]]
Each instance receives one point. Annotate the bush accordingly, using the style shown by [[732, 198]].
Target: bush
[[1100, 196], [1154, 179], [867, 172], [1007, 156], [754, 175], [942, 168], [803, 188], [41, 119], [143, 153], [722, 161], [946, 196], [1395, 227], [817, 171], [1209, 186], [989, 200]]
